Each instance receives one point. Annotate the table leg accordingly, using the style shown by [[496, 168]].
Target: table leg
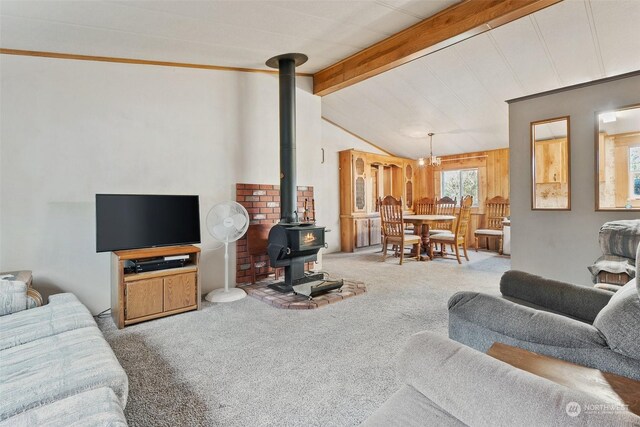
[[422, 230], [425, 241], [417, 230]]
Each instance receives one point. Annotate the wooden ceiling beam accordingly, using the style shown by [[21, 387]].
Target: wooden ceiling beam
[[452, 25]]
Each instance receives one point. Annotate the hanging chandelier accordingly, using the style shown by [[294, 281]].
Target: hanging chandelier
[[431, 160]]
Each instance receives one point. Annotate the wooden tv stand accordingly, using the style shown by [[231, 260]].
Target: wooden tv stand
[[136, 297]]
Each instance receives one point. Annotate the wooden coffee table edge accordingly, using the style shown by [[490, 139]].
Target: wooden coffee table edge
[[606, 386]]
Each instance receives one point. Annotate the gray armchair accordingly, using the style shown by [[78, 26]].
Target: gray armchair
[[588, 326]]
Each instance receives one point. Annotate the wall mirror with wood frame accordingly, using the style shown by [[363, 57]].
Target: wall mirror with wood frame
[[618, 159], [551, 173]]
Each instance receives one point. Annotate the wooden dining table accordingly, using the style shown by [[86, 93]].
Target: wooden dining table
[[421, 224]]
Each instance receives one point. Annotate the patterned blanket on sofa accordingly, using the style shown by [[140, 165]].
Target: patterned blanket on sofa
[[618, 241], [620, 238]]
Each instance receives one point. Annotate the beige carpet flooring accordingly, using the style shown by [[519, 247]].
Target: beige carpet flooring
[[250, 364]]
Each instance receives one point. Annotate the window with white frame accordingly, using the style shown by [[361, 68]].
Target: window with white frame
[[459, 183], [634, 172]]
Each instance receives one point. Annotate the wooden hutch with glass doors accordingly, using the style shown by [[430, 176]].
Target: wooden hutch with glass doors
[[364, 177]]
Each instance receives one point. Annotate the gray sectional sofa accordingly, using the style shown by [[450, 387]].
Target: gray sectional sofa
[[57, 369], [587, 326]]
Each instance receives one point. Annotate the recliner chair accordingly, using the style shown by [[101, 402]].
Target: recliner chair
[[588, 326]]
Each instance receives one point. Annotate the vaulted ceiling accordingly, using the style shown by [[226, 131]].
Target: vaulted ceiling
[[457, 92]]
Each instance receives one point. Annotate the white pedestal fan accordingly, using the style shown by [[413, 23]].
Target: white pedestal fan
[[227, 222]]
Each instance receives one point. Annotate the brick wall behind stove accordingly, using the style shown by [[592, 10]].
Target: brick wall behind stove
[[262, 201]]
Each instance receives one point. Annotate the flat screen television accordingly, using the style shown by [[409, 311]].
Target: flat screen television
[[133, 221]]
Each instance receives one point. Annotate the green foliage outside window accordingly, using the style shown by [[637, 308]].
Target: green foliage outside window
[[634, 169], [459, 183]]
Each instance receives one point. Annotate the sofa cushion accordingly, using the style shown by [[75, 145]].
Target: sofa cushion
[[63, 313], [619, 321], [98, 407], [53, 368]]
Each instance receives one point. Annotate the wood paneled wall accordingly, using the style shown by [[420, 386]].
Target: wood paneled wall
[[498, 173], [493, 171]]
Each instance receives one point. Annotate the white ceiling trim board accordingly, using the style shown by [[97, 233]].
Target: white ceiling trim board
[[475, 76], [400, 10], [495, 44], [382, 34], [594, 38], [545, 46]]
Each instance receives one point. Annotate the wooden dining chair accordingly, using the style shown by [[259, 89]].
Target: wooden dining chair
[[393, 228], [444, 206], [425, 206], [496, 210], [459, 237]]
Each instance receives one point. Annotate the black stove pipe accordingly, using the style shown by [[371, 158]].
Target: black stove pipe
[[286, 64], [288, 181]]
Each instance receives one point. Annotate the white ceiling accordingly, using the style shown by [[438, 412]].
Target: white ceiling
[[459, 92], [236, 33], [550, 130]]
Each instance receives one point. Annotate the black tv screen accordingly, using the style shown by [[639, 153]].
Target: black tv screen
[[132, 221]]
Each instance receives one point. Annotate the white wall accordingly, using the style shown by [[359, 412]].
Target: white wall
[[334, 139], [70, 129], [561, 245]]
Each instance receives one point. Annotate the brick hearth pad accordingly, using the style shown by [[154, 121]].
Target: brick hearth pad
[[261, 291]]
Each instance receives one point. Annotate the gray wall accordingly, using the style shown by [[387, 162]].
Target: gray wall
[[561, 245]]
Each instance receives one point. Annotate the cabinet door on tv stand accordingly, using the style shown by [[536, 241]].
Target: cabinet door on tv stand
[[179, 291], [144, 298]]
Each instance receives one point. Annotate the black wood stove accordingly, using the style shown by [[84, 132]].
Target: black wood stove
[[291, 243]]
